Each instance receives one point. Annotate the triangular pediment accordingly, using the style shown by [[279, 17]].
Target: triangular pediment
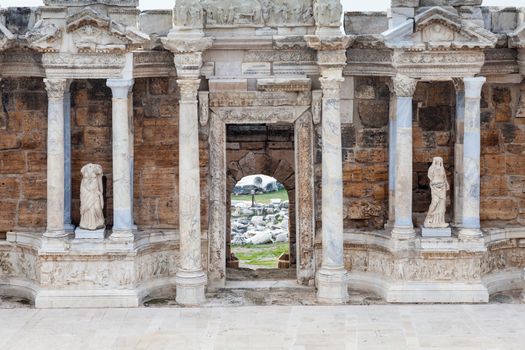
[[517, 38], [92, 31], [437, 29]]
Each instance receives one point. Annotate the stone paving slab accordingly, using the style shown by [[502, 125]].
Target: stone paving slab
[[497, 326]]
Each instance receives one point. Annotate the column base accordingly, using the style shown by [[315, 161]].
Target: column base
[[332, 286], [122, 236], [55, 234], [470, 234], [472, 240], [190, 287], [403, 233]]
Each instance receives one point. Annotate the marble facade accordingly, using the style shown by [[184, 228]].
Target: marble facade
[[366, 125]]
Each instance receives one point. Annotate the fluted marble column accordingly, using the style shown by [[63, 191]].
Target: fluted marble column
[[458, 151], [55, 157], [471, 160], [190, 278], [122, 211], [404, 88], [332, 277]]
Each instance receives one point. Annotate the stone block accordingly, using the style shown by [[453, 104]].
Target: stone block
[[80, 233], [436, 232], [498, 209], [32, 213], [435, 118], [502, 99], [159, 86], [504, 20], [348, 136], [363, 209], [347, 88], [9, 141], [228, 85], [156, 21], [450, 2], [347, 111], [494, 186], [12, 162], [366, 22], [399, 15], [7, 214], [372, 138], [256, 68], [9, 188], [34, 186], [404, 3]]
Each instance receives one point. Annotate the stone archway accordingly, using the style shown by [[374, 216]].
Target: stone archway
[[302, 122]]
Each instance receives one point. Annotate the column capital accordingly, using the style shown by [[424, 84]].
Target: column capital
[[459, 85], [404, 86], [188, 89], [473, 86], [56, 88], [120, 87], [331, 87]]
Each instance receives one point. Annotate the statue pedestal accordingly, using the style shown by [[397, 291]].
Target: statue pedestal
[[436, 232], [81, 233]]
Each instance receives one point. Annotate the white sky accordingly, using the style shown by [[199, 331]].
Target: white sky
[[350, 5]]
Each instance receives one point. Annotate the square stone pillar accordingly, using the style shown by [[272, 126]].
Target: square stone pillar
[[471, 160], [122, 190], [55, 158], [458, 151], [404, 88]]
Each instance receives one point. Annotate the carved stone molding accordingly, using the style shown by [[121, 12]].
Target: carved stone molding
[[188, 89], [179, 43], [257, 115], [55, 88], [204, 107], [404, 86], [328, 43]]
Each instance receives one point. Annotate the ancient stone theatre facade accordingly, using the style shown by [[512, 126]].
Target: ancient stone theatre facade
[[399, 136]]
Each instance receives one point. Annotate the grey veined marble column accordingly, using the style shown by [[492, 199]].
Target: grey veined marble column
[[122, 211], [458, 151], [67, 161], [190, 278], [332, 277], [471, 160], [55, 157], [404, 88]]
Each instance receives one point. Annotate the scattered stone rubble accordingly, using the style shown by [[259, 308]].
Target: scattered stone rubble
[[260, 224]]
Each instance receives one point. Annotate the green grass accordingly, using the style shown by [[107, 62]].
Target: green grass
[[265, 198], [262, 255]]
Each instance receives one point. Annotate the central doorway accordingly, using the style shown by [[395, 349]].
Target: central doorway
[[259, 224]]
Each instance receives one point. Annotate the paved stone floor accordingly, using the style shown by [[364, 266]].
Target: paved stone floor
[[494, 326]]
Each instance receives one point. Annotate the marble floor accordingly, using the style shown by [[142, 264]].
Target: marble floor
[[495, 326]]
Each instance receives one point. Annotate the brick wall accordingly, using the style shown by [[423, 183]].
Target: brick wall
[[23, 128]]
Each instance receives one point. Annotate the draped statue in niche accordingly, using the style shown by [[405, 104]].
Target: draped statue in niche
[[439, 187], [91, 199]]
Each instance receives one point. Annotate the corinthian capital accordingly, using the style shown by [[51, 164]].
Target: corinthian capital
[[404, 86], [55, 87]]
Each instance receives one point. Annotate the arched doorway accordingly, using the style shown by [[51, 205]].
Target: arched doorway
[[259, 224]]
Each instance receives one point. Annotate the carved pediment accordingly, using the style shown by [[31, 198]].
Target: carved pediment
[[44, 37], [5, 37], [439, 29], [517, 38], [94, 32]]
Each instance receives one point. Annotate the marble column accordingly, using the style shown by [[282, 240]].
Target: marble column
[[55, 157], [190, 278], [67, 161], [471, 160], [458, 151], [122, 211], [332, 276], [404, 88]]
